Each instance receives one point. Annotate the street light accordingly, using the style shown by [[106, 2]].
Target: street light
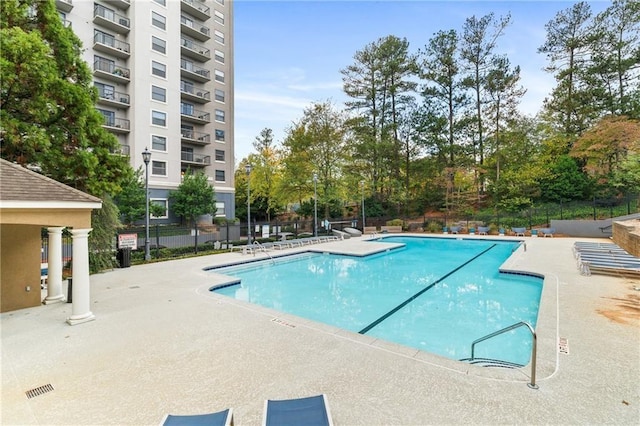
[[315, 204], [362, 185], [146, 157], [247, 168]]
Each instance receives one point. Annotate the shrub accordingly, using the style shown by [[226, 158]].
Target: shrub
[[395, 222]]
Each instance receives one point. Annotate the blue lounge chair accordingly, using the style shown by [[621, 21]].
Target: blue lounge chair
[[519, 231], [221, 418], [455, 229], [483, 230], [310, 411]]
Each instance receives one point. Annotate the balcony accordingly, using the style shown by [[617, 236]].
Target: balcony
[[198, 160], [114, 99], [124, 150], [194, 72], [196, 8], [194, 94], [194, 29], [103, 43], [110, 71], [108, 19], [117, 125], [195, 138], [195, 116], [120, 4], [64, 5], [194, 50]]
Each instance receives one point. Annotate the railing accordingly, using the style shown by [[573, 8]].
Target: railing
[[197, 92], [200, 115], [105, 39], [123, 98], [120, 123], [110, 68], [196, 136], [190, 67], [110, 15], [195, 158], [534, 349], [195, 25], [198, 5], [196, 47]]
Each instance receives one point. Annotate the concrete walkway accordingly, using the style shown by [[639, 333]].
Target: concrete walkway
[[162, 343]]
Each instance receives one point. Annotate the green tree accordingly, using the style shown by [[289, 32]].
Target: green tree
[[567, 48], [193, 198], [102, 238], [132, 198], [476, 50], [445, 99], [616, 57], [48, 114], [266, 173], [564, 181]]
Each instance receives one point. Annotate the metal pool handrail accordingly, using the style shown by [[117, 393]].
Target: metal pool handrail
[[534, 349]]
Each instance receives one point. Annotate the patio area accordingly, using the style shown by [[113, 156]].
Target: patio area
[[162, 343]]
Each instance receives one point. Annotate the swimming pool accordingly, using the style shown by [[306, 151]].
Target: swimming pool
[[433, 294]]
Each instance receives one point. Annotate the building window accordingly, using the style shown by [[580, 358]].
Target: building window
[[187, 86], [158, 21], [220, 115], [104, 38], [218, 17], [158, 69], [187, 109], [109, 117], [159, 118], [220, 135], [219, 95], [219, 75], [219, 155], [158, 93], [158, 44], [186, 131], [219, 175], [219, 56], [220, 209], [158, 168], [162, 202], [161, 2], [218, 36], [158, 143], [105, 91]]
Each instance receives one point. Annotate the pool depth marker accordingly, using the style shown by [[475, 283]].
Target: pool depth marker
[[409, 300]]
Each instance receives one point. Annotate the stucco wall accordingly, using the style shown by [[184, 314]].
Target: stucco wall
[[19, 268]]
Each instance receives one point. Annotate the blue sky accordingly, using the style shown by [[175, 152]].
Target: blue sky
[[289, 54]]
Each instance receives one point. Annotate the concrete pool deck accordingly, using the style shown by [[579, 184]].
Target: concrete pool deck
[[162, 343]]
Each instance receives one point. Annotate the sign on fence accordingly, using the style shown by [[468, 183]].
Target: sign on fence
[[128, 241]]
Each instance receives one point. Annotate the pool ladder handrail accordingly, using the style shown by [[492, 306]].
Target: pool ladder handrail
[[263, 248], [534, 348]]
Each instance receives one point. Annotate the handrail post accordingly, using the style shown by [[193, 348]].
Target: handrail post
[[534, 347]]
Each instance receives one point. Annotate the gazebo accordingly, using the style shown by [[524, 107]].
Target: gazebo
[[29, 202]]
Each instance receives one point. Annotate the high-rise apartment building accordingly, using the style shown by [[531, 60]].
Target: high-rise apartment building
[[164, 74]]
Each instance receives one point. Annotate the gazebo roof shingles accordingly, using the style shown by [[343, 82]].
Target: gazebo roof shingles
[[20, 184]]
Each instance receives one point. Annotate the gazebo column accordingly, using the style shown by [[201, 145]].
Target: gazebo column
[[54, 255], [80, 293]]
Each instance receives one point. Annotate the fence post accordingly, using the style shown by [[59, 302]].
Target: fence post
[[594, 207], [227, 223], [561, 210]]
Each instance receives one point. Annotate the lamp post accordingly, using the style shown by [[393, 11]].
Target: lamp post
[[362, 185], [247, 168], [146, 157], [315, 204]]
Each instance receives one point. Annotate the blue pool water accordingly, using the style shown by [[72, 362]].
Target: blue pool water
[[436, 295]]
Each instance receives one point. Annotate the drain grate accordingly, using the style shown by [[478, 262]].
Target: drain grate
[[40, 390], [563, 345]]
